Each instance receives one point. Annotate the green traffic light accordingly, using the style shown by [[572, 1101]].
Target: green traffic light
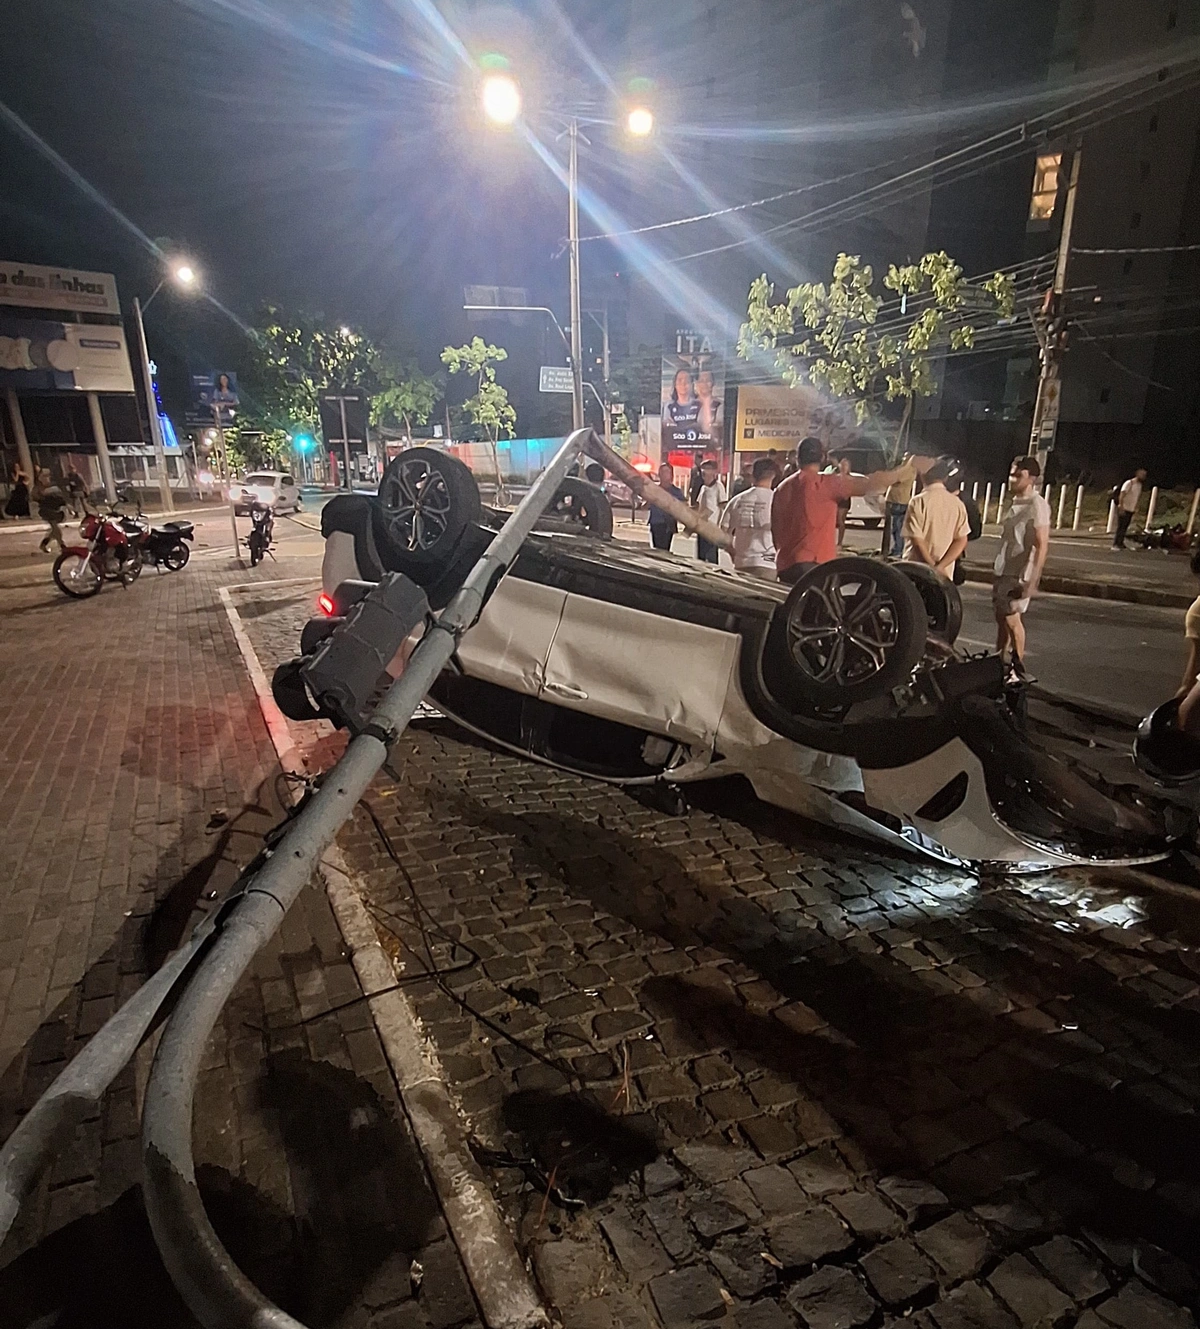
[[303, 442]]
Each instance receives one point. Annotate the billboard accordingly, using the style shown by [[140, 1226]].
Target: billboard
[[779, 417], [35, 287], [693, 391], [214, 394], [40, 356]]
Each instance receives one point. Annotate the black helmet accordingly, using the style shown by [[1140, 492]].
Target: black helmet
[[1163, 751]]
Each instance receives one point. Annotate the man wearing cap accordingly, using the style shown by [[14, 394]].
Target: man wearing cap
[[936, 526]]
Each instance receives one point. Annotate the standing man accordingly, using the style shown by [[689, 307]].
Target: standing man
[[744, 481], [709, 501], [895, 508], [662, 524], [1024, 543], [1128, 497], [936, 527], [52, 509], [804, 514], [748, 519]]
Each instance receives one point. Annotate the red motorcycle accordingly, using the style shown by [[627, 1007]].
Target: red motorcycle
[[111, 554]]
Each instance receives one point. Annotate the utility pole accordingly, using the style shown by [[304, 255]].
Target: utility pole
[[573, 242], [156, 438], [1052, 333]]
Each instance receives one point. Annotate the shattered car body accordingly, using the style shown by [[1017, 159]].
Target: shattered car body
[[636, 666]]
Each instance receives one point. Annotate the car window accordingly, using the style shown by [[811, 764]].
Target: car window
[[261, 480], [287, 480]]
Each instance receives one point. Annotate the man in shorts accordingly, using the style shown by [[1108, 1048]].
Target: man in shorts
[[1024, 544]]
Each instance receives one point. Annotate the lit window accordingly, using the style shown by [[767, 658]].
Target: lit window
[[1045, 186]]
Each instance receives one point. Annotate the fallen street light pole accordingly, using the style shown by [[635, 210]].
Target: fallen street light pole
[[654, 494], [214, 1288]]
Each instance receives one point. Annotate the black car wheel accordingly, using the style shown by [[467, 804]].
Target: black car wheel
[[428, 499], [854, 629], [943, 604], [579, 507]]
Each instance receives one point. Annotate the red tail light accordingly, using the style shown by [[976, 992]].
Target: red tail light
[[325, 603]]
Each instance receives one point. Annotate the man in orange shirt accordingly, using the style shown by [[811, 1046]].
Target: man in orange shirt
[[804, 511]]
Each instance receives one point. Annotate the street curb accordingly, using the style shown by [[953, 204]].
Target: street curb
[[498, 1276], [1100, 590]]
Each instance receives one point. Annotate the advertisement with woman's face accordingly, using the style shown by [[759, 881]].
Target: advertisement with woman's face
[[693, 388]]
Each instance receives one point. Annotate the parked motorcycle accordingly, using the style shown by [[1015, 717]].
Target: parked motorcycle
[[161, 546], [164, 546], [110, 554], [262, 532]]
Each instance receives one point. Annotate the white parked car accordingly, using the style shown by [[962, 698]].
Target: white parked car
[[276, 489], [842, 698]]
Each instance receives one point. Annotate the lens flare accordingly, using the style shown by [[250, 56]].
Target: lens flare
[[501, 99], [641, 121]]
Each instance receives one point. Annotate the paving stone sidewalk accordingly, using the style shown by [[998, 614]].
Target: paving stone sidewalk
[[734, 1071], [136, 777]]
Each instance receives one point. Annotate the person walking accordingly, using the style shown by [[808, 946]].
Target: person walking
[[747, 517], [709, 501], [805, 509], [76, 491], [896, 501], [662, 525], [52, 509], [1024, 543], [935, 526], [1127, 498]]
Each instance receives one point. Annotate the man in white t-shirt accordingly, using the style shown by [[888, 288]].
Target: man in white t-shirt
[[747, 517], [709, 501], [1024, 544], [1128, 498]]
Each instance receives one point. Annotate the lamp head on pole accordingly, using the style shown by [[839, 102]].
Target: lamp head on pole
[[500, 95]]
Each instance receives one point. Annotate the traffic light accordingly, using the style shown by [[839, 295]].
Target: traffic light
[[303, 442]]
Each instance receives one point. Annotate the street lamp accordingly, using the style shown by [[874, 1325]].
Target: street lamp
[[501, 97], [182, 275], [640, 122]]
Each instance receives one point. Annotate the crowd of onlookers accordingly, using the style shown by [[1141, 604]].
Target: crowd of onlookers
[[786, 516]]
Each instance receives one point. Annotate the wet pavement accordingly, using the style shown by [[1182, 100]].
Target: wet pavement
[[724, 1067]]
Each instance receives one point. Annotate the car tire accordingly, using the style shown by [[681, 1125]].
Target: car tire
[[850, 630], [943, 604], [579, 507], [428, 499]]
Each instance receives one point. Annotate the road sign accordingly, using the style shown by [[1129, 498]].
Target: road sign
[[556, 378], [343, 413]]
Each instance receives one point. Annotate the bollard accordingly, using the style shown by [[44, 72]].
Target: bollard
[[1112, 519], [999, 517], [1062, 504], [1150, 509], [1079, 508], [1192, 514], [975, 492], [987, 502]]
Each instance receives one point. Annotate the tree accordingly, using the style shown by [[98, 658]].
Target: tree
[[408, 398], [489, 408], [831, 336]]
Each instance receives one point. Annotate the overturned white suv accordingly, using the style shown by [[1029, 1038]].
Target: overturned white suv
[[842, 698]]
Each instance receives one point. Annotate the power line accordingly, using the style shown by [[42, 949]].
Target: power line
[[1148, 249], [983, 154], [1133, 373]]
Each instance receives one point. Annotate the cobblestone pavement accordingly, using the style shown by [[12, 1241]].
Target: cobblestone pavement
[[792, 1080], [137, 776]]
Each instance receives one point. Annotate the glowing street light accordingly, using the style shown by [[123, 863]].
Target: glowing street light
[[185, 275], [640, 122], [501, 97]]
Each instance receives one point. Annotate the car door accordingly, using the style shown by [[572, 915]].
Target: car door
[[667, 676], [510, 642], [288, 491]]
